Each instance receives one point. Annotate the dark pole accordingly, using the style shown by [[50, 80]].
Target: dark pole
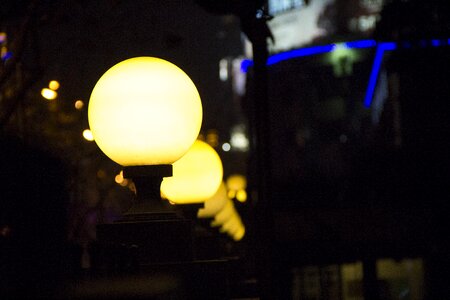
[[263, 216], [254, 25], [370, 281]]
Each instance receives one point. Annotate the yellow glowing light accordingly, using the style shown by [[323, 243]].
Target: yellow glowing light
[[236, 185], [119, 178], [212, 138], [224, 215], [233, 231], [79, 104], [214, 204], [49, 94], [3, 51], [236, 182], [87, 134], [241, 196], [196, 176], [145, 111], [231, 194], [239, 234], [53, 85], [231, 225]]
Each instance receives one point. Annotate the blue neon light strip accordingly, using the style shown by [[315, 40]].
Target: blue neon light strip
[[299, 53], [276, 58], [381, 47], [361, 44]]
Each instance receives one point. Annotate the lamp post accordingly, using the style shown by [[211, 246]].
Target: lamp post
[[145, 113]]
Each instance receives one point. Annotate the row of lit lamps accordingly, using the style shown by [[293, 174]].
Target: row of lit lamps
[[146, 112], [196, 175]]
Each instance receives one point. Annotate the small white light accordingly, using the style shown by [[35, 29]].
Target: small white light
[[49, 94], [223, 69], [226, 147], [87, 134]]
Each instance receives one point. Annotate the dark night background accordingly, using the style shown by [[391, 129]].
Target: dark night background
[[343, 187]]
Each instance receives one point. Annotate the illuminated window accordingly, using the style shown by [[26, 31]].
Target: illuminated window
[[239, 140], [223, 69]]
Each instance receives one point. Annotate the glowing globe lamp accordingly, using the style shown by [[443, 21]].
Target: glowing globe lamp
[[236, 185], [214, 204], [231, 225], [239, 234], [236, 182], [196, 176], [234, 228], [229, 221], [145, 111], [225, 214]]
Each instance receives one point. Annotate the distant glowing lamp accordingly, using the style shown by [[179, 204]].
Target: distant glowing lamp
[[234, 228], [239, 234], [236, 182], [241, 196], [79, 104], [145, 111], [87, 134], [236, 185], [214, 204], [225, 214], [231, 225], [120, 180], [49, 94], [196, 176], [53, 85], [229, 221]]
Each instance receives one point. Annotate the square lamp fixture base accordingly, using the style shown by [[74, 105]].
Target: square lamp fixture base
[[152, 231]]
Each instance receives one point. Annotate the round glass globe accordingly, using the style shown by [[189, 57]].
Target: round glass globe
[[236, 182], [196, 176], [237, 236], [145, 111]]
